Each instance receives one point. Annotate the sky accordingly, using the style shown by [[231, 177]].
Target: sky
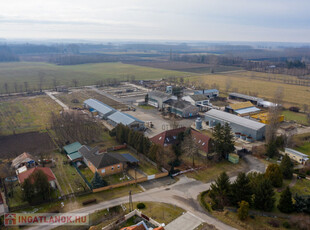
[[172, 20]]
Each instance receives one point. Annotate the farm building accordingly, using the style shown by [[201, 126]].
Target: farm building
[[125, 119], [105, 163], [96, 106], [243, 97], [170, 137], [266, 104], [296, 156], [24, 159], [47, 171], [242, 108], [181, 108], [240, 126], [199, 100], [157, 98], [210, 93], [265, 118]]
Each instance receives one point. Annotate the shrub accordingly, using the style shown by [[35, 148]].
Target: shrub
[[286, 224], [274, 223], [243, 210], [140, 206], [204, 204]]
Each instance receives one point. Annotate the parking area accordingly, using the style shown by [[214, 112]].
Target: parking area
[[164, 181], [187, 221]]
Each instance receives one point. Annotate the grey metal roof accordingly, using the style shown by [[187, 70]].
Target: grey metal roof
[[231, 118], [296, 152], [180, 104], [130, 158], [199, 97], [125, 119], [99, 106], [247, 97], [206, 91], [247, 110]]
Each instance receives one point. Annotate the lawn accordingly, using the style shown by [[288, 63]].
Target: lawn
[[89, 175], [86, 74], [116, 178], [298, 117], [249, 81], [161, 212], [17, 198], [213, 170], [302, 187], [302, 142], [304, 148], [26, 114], [68, 178]]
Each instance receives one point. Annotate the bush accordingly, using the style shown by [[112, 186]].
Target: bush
[[274, 223], [286, 225], [89, 201], [140, 206], [294, 109], [204, 204]]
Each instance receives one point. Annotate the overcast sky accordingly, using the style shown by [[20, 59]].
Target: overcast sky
[[203, 20]]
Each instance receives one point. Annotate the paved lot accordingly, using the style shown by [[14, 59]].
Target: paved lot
[[187, 221], [147, 185]]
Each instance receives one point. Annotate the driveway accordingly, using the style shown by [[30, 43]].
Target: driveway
[[187, 221]]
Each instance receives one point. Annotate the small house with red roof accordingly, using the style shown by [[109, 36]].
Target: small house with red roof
[[47, 171]]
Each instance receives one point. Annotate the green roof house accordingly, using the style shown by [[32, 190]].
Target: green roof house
[[72, 151]]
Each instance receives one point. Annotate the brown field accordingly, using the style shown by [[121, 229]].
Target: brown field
[[183, 66], [246, 81], [82, 95], [34, 143]]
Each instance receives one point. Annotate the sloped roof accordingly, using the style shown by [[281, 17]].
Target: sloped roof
[[247, 110], [295, 152], [246, 97], [199, 97], [241, 105], [22, 158], [206, 91], [47, 171], [167, 137], [99, 106], [228, 117], [180, 104], [74, 147], [129, 158], [201, 140], [74, 156], [124, 118]]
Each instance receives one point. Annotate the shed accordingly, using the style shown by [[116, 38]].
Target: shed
[[102, 109], [72, 148], [125, 119]]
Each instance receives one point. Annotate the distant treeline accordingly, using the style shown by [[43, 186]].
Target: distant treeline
[[6, 54], [72, 59]]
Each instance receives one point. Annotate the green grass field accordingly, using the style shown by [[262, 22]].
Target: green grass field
[[298, 117], [26, 114], [86, 74]]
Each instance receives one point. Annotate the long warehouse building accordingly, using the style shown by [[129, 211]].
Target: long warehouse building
[[244, 126]]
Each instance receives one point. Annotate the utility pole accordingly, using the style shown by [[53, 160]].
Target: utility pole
[[130, 201]]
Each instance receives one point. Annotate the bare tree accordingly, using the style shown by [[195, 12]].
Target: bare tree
[[189, 147], [15, 87], [55, 83], [26, 86], [305, 108], [41, 80], [6, 87], [75, 82], [228, 83], [274, 113]]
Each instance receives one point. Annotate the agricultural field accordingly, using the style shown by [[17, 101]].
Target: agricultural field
[[26, 114], [184, 66], [300, 118], [86, 74], [247, 81]]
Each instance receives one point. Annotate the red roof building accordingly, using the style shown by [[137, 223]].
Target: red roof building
[[47, 171], [169, 137]]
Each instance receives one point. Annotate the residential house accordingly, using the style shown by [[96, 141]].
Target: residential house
[[24, 159], [181, 108], [141, 226], [210, 93], [296, 155], [157, 98], [105, 163], [199, 100], [169, 137], [47, 171]]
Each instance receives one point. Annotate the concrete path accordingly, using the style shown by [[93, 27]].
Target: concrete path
[[187, 221], [64, 106]]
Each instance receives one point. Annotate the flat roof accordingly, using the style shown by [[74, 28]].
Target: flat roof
[[247, 97], [247, 110], [124, 118], [99, 106], [231, 118], [296, 152]]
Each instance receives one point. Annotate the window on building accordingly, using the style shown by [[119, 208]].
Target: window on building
[[102, 170], [118, 166], [112, 168]]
